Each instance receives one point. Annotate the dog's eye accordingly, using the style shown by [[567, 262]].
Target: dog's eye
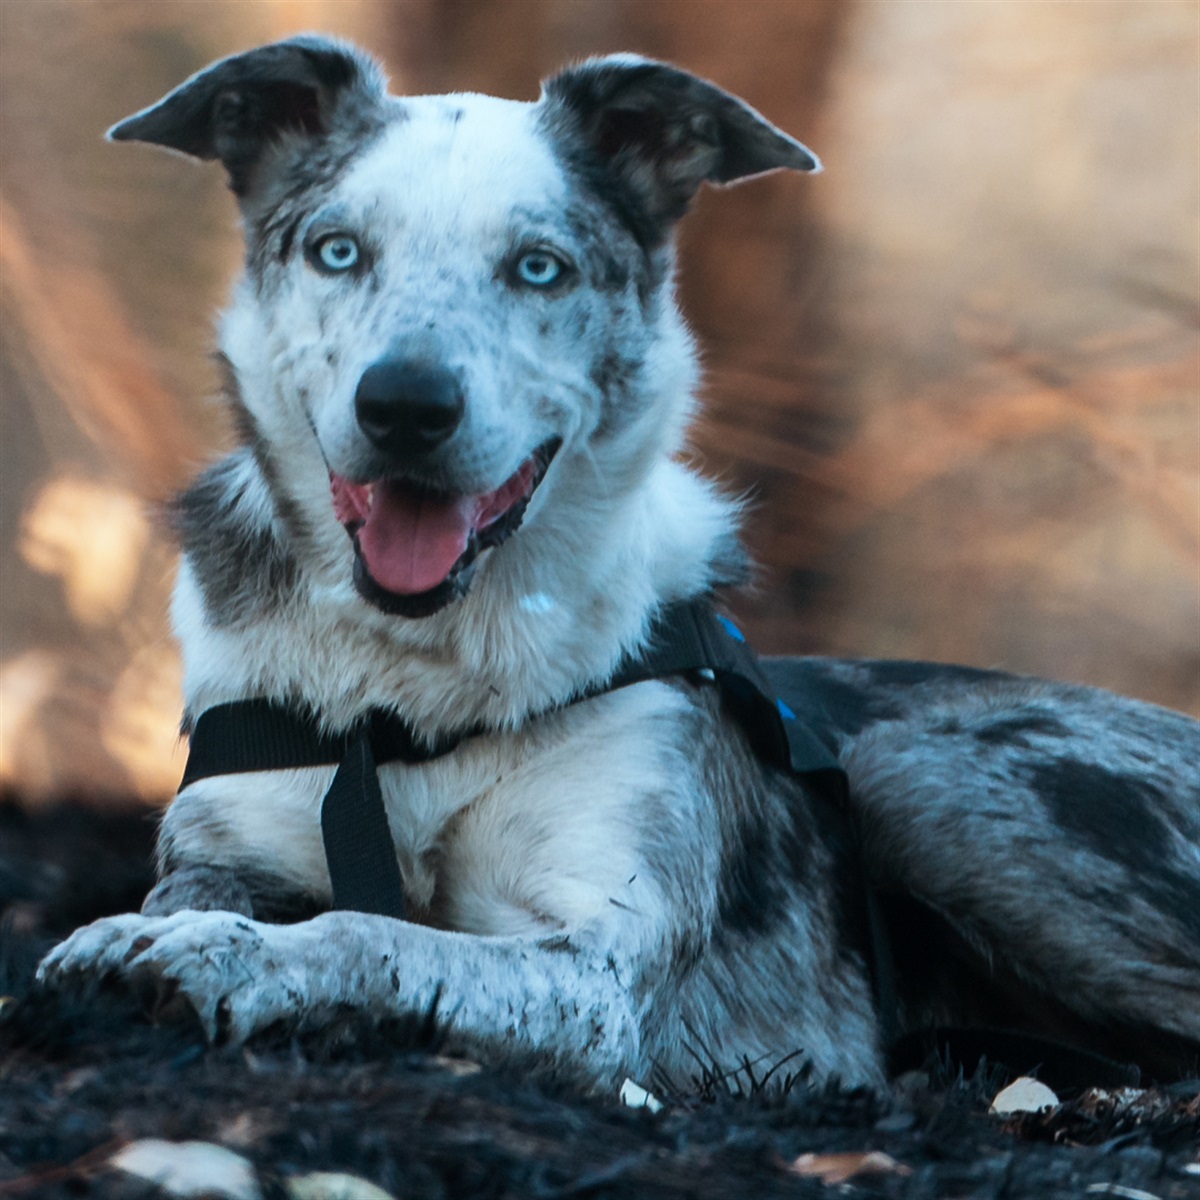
[[337, 252], [539, 268]]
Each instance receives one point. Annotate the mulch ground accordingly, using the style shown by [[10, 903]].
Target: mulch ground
[[81, 1078]]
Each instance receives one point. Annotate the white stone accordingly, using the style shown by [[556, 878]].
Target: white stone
[[1024, 1095], [189, 1168], [633, 1095]]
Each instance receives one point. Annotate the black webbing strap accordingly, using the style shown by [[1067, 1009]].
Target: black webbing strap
[[363, 869], [261, 735], [264, 735], [257, 735], [692, 637]]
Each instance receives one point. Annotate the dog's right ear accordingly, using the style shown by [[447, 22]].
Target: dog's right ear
[[236, 108]]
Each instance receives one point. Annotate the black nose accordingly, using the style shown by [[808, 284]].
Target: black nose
[[408, 405]]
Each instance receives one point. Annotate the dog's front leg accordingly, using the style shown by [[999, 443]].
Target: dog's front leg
[[511, 997], [200, 888]]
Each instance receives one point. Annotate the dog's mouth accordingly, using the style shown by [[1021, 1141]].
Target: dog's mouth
[[415, 547]]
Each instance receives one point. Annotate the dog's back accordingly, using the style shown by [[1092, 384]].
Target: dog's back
[[1036, 848]]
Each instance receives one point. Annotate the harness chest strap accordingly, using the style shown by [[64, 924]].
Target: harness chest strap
[[262, 735], [259, 735], [688, 637]]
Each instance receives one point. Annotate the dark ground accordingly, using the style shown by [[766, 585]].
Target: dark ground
[[80, 1078]]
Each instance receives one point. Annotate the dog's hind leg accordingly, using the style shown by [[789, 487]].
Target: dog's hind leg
[[1056, 831]]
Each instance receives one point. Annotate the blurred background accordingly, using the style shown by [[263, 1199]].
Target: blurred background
[[959, 372]]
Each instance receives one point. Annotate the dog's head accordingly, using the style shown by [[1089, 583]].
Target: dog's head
[[452, 298]]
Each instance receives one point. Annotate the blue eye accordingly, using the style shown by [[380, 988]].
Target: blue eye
[[337, 252], [539, 268]]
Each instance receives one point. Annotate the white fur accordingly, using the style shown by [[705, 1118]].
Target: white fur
[[617, 884], [559, 869]]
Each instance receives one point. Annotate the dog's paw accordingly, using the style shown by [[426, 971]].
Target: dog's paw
[[232, 972]]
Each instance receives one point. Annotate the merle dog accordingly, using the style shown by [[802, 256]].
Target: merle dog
[[464, 384]]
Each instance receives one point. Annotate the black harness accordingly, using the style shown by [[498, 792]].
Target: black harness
[[688, 639]]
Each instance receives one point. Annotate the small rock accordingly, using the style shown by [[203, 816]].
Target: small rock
[[633, 1095], [458, 1067], [1024, 1095], [333, 1185], [189, 1168]]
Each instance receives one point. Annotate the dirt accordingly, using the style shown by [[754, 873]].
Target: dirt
[[83, 1076]]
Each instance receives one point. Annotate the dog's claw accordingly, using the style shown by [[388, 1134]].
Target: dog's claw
[[139, 944], [219, 966], [96, 949]]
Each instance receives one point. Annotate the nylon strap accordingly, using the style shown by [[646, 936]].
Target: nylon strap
[[257, 735], [263, 735], [692, 637], [362, 861], [689, 637]]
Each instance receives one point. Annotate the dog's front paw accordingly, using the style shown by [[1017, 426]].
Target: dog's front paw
[[234, 973]]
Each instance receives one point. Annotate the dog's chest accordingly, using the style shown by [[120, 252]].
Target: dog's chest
[[513, 833], [530, 833]]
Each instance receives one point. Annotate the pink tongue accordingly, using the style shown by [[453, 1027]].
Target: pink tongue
[[411, 541]]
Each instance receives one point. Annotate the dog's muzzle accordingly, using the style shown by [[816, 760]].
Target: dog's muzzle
[[415, 545]]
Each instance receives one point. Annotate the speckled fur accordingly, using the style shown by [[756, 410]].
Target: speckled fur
[[617, 885]]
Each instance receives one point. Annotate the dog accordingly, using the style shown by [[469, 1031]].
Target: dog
[[463, 384]]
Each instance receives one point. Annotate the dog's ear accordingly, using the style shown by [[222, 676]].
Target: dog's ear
[[662, 131], [236, 108]]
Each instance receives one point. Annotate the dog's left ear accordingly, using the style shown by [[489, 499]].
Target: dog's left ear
[[236, 109], [662, 131]]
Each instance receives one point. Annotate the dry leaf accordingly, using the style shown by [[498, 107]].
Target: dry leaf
[[838, 1168], [1024, 1095]]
